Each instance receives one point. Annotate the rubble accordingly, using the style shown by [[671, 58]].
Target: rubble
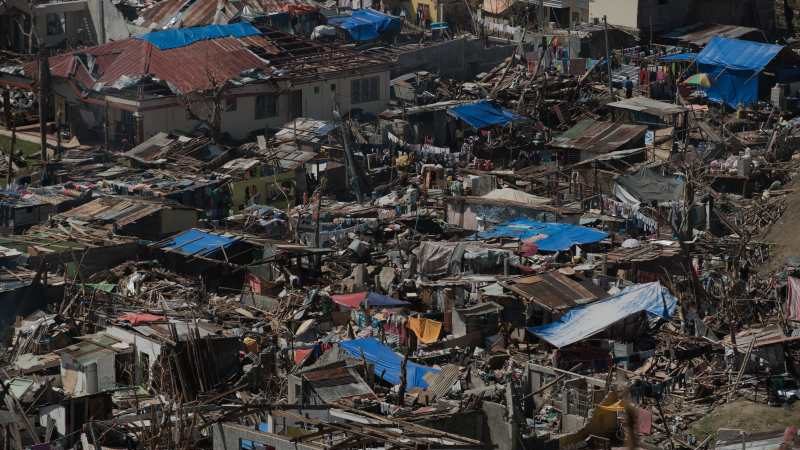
[[229, 235]]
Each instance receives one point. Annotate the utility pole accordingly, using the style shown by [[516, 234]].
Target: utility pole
[[541, 16], [44, 79], [11, 123], [608, 57]]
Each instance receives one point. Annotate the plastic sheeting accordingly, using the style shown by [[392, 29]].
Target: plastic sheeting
[[366, 24], [679, 57], [373, 300], [585, 321], [553, 236], [484, 114], [182, 37], [140, 318], [387, 363], [734, 66], [197, 242], [426, 330]]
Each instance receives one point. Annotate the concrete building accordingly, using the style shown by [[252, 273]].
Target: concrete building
[[664, 15], [235, 80], [24, 25], [504, 15]]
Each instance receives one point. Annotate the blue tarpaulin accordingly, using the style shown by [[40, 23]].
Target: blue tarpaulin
[[679, 57], [182, 37], [197, 242], [556, 236], [387, 363], [366, 24], [734, 65], [585, 321], [484, 114], [375, 299]]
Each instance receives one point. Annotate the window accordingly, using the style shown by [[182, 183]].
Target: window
[[333, 87], [316, 90], [55, 24], [266, 106], [364, 90], [230, 104]]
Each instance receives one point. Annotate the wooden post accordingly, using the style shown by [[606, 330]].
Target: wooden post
[[44, 78], [11, 122]]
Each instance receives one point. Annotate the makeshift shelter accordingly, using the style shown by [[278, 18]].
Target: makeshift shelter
[[582, 322], [484, 114], [387, 364], [516, 196], [367, 24], [736, 69], [368, 299], [648, 186], [549, 236]]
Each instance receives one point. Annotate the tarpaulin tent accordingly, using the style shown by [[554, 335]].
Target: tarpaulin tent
[[182, 37], [734, 66], [553, 236], [585, 321], [484, 114], [387, 363], [366, 24], [370, 299]]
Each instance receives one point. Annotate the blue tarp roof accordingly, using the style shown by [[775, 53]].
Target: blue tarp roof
[[484, 114], [182, 37], [585, 321], [679, 57], [197, 242], [366, 24], [559, 236], [387, 363], [733, 65], [375, 299]]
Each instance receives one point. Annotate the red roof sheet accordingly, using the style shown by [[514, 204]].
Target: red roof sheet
[[195, 67], [208, 12]]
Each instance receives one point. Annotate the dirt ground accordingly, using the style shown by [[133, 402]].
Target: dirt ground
[[749, 416], [785, 233]]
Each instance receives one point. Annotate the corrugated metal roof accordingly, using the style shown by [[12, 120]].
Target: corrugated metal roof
[[182, 13], [198, 242], [701, 34], [598, 137], [190, 68], [553, 290], [648, 106], [117, 210], [336, 383], [443, 381]]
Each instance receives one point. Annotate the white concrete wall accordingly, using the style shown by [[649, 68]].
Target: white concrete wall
[[59, 415], [141, 344], [619, 12], [106, 374], [318, 102]]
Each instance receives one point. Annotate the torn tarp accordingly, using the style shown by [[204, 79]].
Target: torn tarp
[[387, 363], [366, 24], [549, 236], [484, 114], [585, 321], [169, 39]]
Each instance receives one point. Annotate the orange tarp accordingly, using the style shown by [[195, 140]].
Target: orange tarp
[[427, 330]]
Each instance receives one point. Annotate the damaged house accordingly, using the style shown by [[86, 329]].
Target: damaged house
[[237, 80]]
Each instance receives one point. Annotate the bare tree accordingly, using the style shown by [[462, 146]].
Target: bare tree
[[207, 106]]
